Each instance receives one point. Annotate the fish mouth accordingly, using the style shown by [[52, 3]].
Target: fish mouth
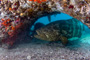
[[40, 35], [37, 35], [37, 32]]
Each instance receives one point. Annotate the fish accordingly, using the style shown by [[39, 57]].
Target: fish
[[35, 27], [60, 30], [38, 25]]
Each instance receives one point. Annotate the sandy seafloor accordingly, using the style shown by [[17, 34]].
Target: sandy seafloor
[[41, 50], [79, 49]]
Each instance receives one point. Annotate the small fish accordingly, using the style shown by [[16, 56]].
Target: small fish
[[60, 30]]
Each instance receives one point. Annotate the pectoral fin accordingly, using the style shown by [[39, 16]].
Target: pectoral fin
[[64, 40]]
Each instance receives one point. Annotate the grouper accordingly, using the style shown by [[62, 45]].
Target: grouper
[[60, 30]]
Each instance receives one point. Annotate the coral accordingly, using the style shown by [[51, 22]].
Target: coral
[[79, 9], [17, 14]]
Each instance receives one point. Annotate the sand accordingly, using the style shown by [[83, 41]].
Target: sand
[[43, 50]]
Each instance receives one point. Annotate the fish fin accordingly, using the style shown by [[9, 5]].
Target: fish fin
[[64, 40], [49, 18]]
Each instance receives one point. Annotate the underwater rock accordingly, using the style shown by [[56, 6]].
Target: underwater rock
[[79, 9], [16, 19], [17, 15], [60, 30]]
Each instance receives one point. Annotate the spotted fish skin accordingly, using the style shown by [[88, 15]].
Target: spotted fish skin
[[60, 30]]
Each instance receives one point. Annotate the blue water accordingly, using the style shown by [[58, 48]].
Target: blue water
[[85, 38], [45, 20], [61, 16]]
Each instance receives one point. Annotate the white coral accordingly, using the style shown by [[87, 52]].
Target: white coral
[[72, 2], [88, 9], [58, 6]]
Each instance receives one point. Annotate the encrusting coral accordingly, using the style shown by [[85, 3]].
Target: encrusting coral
[[79, 9], [17, 16]]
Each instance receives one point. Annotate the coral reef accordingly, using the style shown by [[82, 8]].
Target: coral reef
[[18, 15], [79, 9], [60, 30]]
